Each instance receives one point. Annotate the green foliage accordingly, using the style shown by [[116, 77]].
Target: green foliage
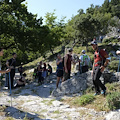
[[113, 100], [112, 39], [112, 87], [113, 65], [86, 27], [9, 118], [84, 100]]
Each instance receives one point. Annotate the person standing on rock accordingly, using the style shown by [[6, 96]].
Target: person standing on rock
[[100, 62], [59, 69], [84, 62], [67, 64], [11, 63]]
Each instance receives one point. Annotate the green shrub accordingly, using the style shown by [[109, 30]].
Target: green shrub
[[112, 87], [108, 40], [113, 100], [113, 65], [84, 100], [113, 58], [115, 41], [90, 49]]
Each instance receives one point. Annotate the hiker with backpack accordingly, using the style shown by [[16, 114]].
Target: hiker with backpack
[[59, 69], [84, 62], [67, 61], [100, 63], [11, 64]]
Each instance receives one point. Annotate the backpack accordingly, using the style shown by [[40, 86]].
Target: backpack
[[86, 61], [103, 60]]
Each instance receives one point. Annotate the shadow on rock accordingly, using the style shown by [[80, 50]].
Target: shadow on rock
[[19, 114]]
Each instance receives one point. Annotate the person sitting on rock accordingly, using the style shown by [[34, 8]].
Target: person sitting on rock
[[21, 82]]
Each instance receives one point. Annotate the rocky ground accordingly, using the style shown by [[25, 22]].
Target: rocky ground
[[34, 102]]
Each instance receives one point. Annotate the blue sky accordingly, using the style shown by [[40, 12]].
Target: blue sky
[[66, 8]]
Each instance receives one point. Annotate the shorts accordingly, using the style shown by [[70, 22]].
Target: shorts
[[59, 73], [66, 75]]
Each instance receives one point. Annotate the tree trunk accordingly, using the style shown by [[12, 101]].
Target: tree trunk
[[51, 50]]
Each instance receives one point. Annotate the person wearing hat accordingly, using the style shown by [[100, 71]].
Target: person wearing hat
[[67, 64], [100, 63], [11, 63], [84, 62]]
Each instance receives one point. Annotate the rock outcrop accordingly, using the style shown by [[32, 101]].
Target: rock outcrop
[[80, 82]]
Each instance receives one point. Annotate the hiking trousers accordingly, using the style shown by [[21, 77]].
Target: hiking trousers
[[84, 69], [96, 79], [12, 74]]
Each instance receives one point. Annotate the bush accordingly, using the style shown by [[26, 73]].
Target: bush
[[113, 65], [113, 100], [113, 58], [108, 40], [84, 100], [115, 41], [112, 87]]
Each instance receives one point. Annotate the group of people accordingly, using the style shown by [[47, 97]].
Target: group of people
[[41, 72], [10, 72], [64, 65], [101, 60]]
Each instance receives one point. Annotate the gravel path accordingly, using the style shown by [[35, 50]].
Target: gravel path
[[34, 102]]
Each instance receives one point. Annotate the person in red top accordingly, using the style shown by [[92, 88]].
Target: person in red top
[[67, 64], [100, 62]]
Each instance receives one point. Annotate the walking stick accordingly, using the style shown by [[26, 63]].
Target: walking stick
[[10, 88]]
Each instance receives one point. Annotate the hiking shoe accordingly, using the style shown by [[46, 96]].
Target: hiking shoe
[[97, 93], [103, 92]]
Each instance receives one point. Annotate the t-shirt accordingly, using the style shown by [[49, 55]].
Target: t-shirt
[[68, 64], [60, 65], [12, 62], [40, 68], [81, 58]]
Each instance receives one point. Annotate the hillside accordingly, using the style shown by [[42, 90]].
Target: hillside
[[34, 101]]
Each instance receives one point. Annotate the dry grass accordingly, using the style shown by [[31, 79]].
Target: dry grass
[[100, 102]]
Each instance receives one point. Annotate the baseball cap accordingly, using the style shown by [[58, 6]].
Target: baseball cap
[[70, 49], [83, 51], [93, 43]]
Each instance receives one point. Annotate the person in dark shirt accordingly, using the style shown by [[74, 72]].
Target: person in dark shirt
[[11, 63], [49, 69], [20, 69], [67, 64], [44, 73], [100, 62], [40, 69], [21, 82]]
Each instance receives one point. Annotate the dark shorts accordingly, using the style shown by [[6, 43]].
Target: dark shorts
[[66, 75], [59, 73]]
